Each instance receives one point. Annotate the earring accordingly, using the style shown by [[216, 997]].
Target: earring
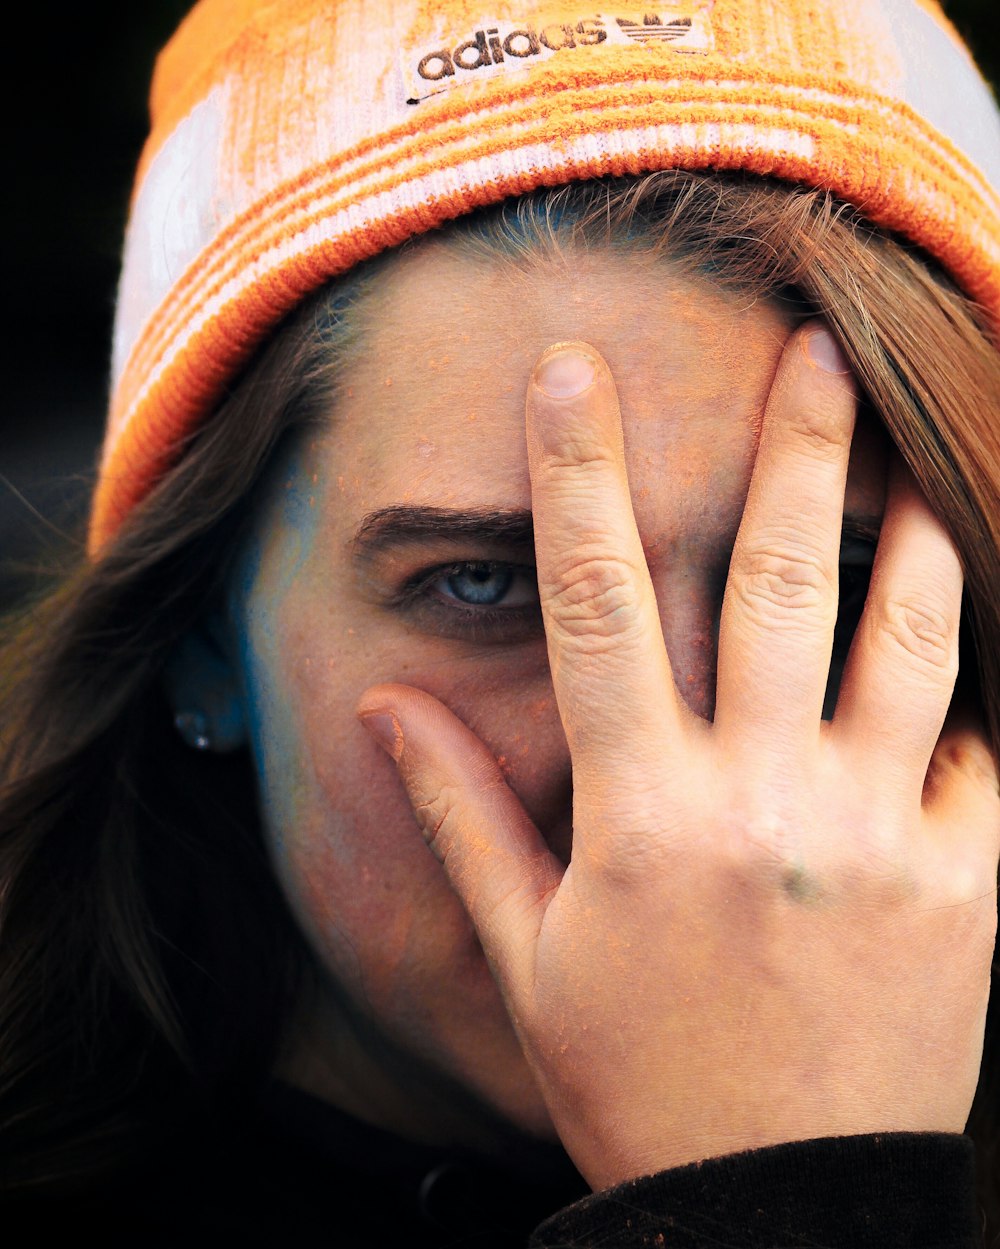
[[193, 728]]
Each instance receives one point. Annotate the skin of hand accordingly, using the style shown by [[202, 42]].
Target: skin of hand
[[772, 927]]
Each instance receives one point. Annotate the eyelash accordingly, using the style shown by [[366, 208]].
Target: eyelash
[[463, 620]]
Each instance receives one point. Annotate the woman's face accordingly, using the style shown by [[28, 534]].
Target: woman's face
[[395, 545]]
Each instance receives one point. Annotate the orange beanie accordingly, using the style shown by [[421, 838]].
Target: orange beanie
[[293, 138]]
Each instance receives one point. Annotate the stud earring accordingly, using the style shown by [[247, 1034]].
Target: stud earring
[[193, 728]]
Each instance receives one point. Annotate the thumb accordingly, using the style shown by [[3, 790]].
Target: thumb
[[493, 855]]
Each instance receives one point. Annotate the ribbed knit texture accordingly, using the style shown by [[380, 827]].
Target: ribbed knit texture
[[831, 1193], [295, 138]]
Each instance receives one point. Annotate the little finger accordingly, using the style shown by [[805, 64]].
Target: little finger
[[902, 666]]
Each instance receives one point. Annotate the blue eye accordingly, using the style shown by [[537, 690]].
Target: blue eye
[[481, 585], [481, 601], [487, 584]]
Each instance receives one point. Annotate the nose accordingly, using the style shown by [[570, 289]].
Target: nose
[[689, 607]]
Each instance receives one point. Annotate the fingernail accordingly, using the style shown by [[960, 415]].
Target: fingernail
[[565, 372], [825, 352], [386, 730]]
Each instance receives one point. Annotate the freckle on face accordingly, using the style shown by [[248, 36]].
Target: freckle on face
[[431, 415]]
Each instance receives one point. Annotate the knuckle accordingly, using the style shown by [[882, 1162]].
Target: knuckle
[[821, 430], [762, 847], [783, 579], [829, 427], [922, 633], [435, 814], [960, 883], [591, 595], [579, 455], [778, 855]]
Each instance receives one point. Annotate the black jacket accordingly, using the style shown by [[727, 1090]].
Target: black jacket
[[300, 1175]]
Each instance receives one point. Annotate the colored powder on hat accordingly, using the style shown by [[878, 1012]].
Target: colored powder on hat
[[293, 139]]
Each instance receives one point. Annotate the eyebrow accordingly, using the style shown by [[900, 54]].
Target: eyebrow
[[391, 527]]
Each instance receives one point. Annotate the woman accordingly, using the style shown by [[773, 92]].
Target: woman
[[242, 999]]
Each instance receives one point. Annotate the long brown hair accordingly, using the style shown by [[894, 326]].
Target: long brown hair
[[125, 1004]]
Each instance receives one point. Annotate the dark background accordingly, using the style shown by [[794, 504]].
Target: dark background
[[74, 136]]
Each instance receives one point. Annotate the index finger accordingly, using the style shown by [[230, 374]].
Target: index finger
[[612, 678]]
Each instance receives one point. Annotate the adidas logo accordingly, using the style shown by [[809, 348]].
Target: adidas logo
[[488, 47], [497, 47]]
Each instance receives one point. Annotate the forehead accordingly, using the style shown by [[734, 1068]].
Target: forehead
[[432, 405]]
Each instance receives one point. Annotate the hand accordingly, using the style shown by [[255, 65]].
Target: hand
[[772, 928]]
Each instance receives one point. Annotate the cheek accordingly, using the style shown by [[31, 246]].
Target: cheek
[[350, 856], [373, 900]]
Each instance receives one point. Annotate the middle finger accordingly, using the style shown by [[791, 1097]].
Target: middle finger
[[780, 604]]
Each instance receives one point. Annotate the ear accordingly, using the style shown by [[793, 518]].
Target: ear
[[204, 690]]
